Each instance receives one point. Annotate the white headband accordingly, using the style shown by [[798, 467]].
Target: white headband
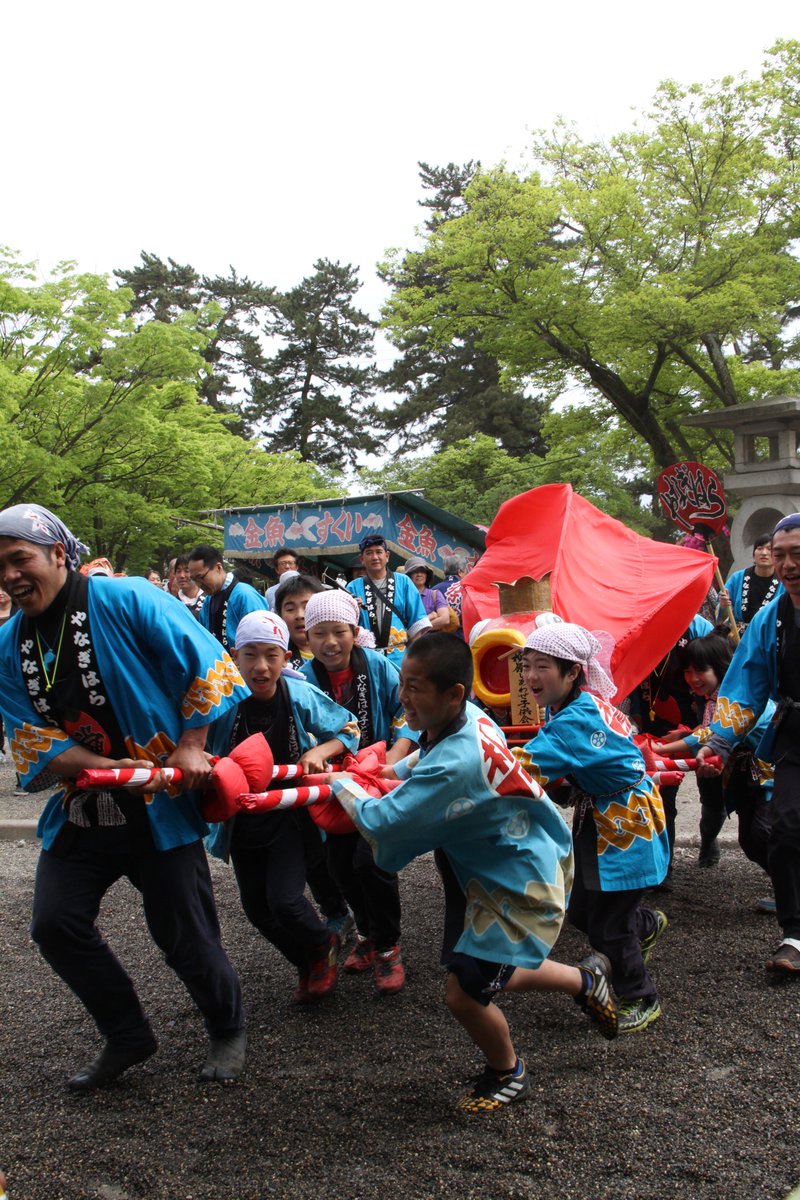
[[262, 626], [334, 605]]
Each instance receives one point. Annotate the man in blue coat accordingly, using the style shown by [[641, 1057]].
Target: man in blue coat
[[227, 599], [98, 673], [766, 666]]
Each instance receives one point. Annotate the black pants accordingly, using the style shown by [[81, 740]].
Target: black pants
[[272, 881], [179, 908], [712, 809], [783, 852], [669, 798], [373, 894], [744, 795], [614, 922], [321, 883]]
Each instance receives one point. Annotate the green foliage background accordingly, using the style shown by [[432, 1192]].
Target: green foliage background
[[558, 324]]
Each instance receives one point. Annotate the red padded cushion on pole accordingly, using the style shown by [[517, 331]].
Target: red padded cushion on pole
[[331, 817], [228, 782], [254, 756]]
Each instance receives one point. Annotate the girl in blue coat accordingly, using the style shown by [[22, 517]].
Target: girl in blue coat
[[619, 830]]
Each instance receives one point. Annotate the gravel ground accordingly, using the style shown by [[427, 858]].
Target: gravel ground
[[354, 1099]]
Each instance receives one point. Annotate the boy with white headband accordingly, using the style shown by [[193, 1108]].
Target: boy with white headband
[[619, 829], [367, 684], [300, 725]]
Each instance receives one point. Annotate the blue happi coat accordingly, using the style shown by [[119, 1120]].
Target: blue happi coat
[[316, 719], [409, 619], [162, 673], [733, 586], [243, 599], [386, 711], [750, 682], [506, 842], [590, 742], [702, 736]]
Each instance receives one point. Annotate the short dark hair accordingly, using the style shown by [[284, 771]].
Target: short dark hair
[[763, 539], [283, 552], [447, 660], [298, 585], [182, 561], [209, 555], [715, 650]]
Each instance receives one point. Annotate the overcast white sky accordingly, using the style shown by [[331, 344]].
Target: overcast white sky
[[267, 135]]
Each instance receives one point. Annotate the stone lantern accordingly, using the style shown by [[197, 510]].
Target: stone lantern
[[766, 471]]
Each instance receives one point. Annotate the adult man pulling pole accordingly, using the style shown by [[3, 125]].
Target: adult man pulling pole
[[101, 673], [766, 666]]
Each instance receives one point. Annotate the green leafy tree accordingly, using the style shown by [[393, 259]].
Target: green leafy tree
[[311, 395], [230, 310], [449, 391], [103, 422], [471, 478], [657, 273]]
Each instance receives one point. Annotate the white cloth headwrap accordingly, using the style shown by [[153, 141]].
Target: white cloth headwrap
[[262, 626], [33, 523], [337, 605], [575, 644], [265, 626]]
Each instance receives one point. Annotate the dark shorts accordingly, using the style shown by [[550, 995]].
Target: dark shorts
[[478, 977]]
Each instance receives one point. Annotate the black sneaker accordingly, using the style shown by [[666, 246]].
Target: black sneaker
[[649, 940], [598, 1003], [493, 1090]]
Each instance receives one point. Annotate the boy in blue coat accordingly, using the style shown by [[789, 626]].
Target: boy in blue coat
[[267, 848], [367, 684], [504, 854]]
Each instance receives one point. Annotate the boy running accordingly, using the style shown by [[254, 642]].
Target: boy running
[[619, 829], [504, 854]]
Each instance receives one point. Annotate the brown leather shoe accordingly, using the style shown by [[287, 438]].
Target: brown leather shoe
[[786, 959]]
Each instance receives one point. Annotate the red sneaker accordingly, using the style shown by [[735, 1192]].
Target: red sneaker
[[390, 974], [360, 957], [322, 971]]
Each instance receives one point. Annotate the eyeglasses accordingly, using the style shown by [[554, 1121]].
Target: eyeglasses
[[201, 577]]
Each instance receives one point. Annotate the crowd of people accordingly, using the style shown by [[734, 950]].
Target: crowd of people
[[369, 685]]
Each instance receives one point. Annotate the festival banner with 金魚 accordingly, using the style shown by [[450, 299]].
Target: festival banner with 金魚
[[334, 528]]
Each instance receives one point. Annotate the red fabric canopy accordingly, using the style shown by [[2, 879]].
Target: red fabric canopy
[[603, 575]]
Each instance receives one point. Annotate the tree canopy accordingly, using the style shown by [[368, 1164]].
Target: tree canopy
[[103, 422], [310, 395], [657, 273]]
